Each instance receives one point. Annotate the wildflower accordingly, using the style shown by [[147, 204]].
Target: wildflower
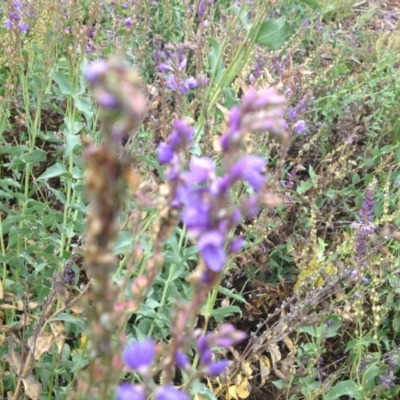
[[8, 24], [139, 355]]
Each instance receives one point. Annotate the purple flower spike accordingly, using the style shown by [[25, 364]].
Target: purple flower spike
[[96, 70], [217, 368], [139, 355], [165, 153], [170, 393], [128, 392], [211, 246]]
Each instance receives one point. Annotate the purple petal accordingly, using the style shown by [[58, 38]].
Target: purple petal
[[139, 355], [170, 393], [96, 70], [300, 126], [165, 153], [217, 368], [172, 83], [250, 168], [201, 169], [211, 246], [128, 392], [181, 360]]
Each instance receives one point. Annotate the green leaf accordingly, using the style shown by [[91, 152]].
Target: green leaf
[[9, 182], [123, 243], [273, 33], [222, 312], [79, 322], [57, 169], [368, 379], [84, 105], [333, 326], [35, 156], [226, 292], [215, 60], [312, 3], [365, 341], [62, 82], [304, 187], [344, 388]]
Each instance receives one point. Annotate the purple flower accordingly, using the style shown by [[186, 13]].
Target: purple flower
[[292, 113], [202, 8], [184, 132], [182, 62], [128, 22], [211, 246], [8, 24], [206, 356], [250, 168], [228, 336], [165, 153], [96, 70], [181, 360], [170, 393], [236, 245], [201, 169], [128, 392], [365, 280], [194, 208], [139, 355], [217, 368], [17, 5], [191, 83], [164, 67], [299, 126], [172, 83]]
